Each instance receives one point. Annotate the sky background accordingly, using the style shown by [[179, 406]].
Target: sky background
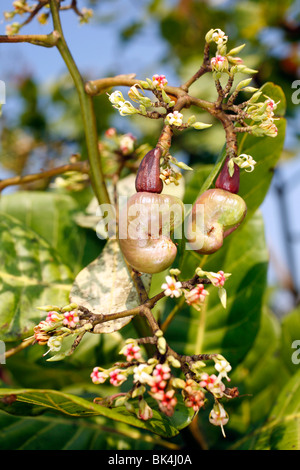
[[99, 52]]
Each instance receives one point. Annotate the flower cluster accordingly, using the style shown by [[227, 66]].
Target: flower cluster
[[21, 8], [169, 175], [217, 280], [123, 106], [225, 61], [219, 63], [71, 181], [155, 378], [196, 296], [174, 119], [263, 114], [60, 322], [132, 351], [159, 81], [119, 150]]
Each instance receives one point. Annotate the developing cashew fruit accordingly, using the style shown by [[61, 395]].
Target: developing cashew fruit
[[147, 178], [149, 221], [227, 182], [215, 215]]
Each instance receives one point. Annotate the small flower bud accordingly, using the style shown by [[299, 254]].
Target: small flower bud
[[162, 345]]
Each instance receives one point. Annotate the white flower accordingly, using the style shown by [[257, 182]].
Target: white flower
[[171, 287], [269, 128], [218, 416], [244, 161], [222, 366], [54, 343], [219, 37], [141, 374], [174, 119], [118, 102], [116, 98]]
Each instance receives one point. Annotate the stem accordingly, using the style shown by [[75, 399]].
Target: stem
[[82, 167], [19, 348], [45, 40], [87, 110], [205, 67]]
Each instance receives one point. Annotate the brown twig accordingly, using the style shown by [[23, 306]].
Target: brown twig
[[44, 40], [82, 167], [205, 67]]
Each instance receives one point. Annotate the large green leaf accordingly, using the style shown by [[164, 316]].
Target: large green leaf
[[229, 331], [32, 402], [51, 432], [31, 274], [266, 152], [51, 215], [281, 431], [257, 378]]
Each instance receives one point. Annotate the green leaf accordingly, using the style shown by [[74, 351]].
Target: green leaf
[[229, 331], [51, 432], [51, 215], [266, 152], [281, 431], [31, 274], [257, 378], [32, 402]]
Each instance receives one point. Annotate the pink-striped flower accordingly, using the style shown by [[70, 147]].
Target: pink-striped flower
[[53, 317], [132, 352], [71, 318], [166, 401], [98, 376], [219, 63], [159, 81], [196, 296], [40, 332], [212, 384], [111, 132], [195, 401], [217, 279], [194, 397], [116, 377], [161, 375]]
